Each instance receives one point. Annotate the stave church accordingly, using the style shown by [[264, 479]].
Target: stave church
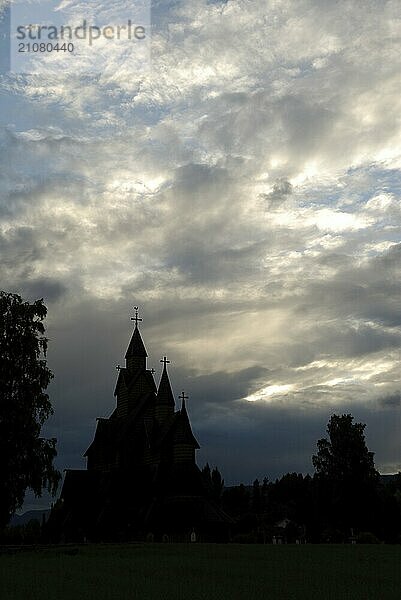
[[141, 480]]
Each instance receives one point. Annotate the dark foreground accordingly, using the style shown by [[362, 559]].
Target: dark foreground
[[202, 572]]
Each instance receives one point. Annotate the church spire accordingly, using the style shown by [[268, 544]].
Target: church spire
[[164, 406], [183, 397], [136, 353], [184, 443]]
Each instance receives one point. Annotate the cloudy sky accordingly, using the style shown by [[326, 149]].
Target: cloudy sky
[[244, 191]]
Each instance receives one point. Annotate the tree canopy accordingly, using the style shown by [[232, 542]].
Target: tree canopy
[[214, 480], [346, 475], [344, 456], [26, 459]]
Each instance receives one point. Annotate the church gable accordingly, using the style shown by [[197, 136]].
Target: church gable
[[102, 454]]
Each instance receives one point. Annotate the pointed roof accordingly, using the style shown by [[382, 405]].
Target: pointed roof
[[136, 346], [164, 393], [183, 431], [104, 434], [121, 379]]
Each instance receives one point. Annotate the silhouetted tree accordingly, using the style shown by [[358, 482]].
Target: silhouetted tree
[[264, 494], [217, 484], [256, 496], [207, 474], [26, 459], [291, 497], [236, 500], [214, 480], [345, 473], [344, 456]]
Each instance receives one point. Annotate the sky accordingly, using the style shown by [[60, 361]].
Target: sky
[[243, 189]]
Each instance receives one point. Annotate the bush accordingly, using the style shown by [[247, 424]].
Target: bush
[[367, 537], [333, 536], [30, 533]]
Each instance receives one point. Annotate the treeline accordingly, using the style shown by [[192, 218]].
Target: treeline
[[345, 500]]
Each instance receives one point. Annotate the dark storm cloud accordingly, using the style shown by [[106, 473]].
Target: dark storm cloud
[[223, 387], [202, 264], [191, 177], [344, 339], [368, 292], [270, 442], [20, 247], [391, 400], [49, 289], [281, 189], [306, 124]]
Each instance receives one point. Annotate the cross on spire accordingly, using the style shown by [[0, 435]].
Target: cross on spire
[[118, 367], [165, 361], [183, 398], [136, 318], [152, 371]]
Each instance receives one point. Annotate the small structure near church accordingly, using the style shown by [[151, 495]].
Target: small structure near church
[[142, 480]]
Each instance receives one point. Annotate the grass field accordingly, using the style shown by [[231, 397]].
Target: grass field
[[202, 572]]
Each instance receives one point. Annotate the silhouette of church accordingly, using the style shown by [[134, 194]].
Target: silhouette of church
[[141, 479]]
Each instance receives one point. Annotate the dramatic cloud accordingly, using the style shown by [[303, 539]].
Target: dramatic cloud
[[245, 192]]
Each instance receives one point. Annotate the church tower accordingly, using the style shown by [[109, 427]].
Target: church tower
[[141, 471], [134, 380]]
